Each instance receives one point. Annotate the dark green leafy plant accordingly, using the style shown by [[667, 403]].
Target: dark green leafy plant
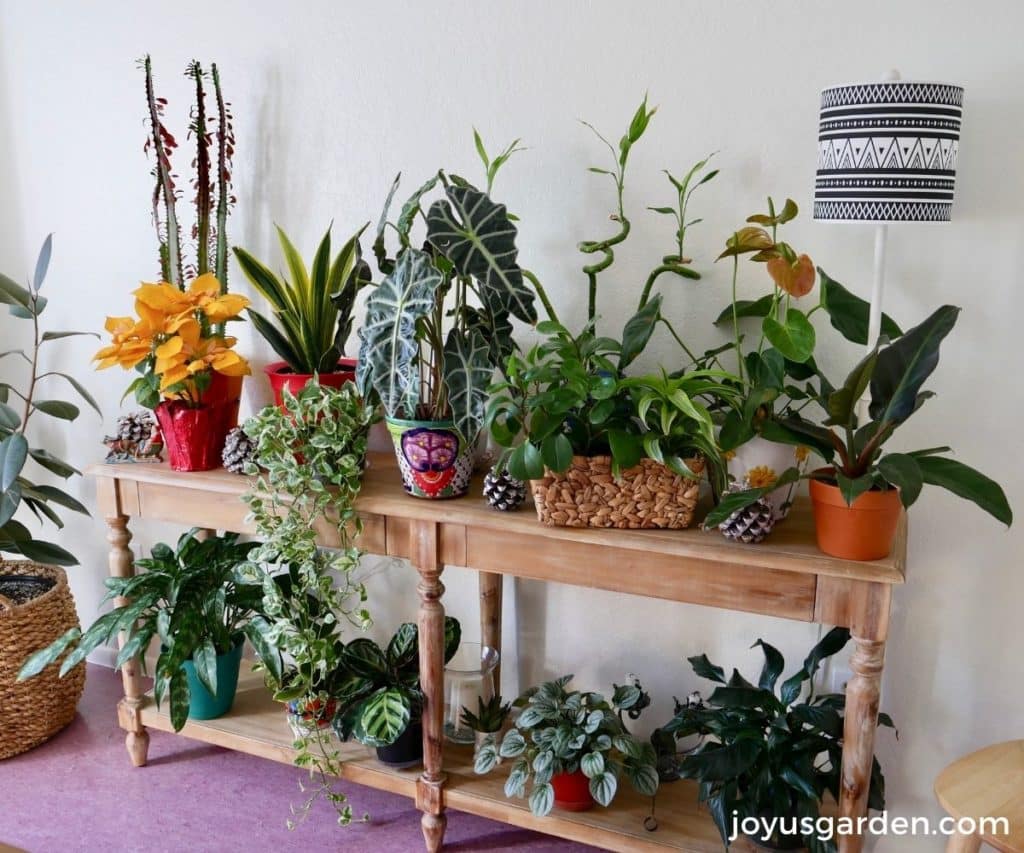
[[561, 731], [16, 489], [379, 692], [894, 375], [191, 598], [313, 311], [767, 752], [490, 715]]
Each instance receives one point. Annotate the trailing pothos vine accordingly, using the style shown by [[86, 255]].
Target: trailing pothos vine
[[309, 463]]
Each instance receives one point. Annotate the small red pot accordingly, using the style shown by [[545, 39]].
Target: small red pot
[[864, 530], [572, 791], [194, 438], [281, 377]]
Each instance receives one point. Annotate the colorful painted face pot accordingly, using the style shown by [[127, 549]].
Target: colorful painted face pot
[[434, 460]]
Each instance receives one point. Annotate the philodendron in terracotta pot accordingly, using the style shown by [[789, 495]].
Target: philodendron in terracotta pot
[[857, 496], [571, 747], [311, 313], [439, 325]]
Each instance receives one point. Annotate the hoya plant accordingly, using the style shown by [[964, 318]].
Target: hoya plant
[[853, 443], [768, 749], [562, 731]]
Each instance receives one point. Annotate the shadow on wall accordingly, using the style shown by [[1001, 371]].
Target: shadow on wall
[[12, 247]]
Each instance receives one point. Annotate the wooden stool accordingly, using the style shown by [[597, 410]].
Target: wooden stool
[[986, 783]]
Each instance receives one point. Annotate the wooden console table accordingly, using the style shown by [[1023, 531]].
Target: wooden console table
[[786, 576]]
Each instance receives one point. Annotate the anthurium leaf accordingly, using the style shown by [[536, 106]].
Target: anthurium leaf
[[904, 366], [966, 483], [849, 313], [477, 236], [794, 337], [638, 330], [467, 373], [904, 472], [747, 308], [388, 349], [13, 453]]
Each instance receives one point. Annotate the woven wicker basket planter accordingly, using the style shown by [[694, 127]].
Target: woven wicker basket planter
[[36, 709], [647, 495]]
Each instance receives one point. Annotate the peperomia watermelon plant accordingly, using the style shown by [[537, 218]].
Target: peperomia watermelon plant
[[562, 731]]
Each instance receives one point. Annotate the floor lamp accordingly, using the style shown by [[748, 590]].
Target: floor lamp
[[887, 153]]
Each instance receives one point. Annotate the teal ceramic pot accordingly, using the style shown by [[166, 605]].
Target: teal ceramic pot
[[202, 704], [434, 459]]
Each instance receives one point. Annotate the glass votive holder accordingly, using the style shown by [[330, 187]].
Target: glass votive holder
[[468, 678]]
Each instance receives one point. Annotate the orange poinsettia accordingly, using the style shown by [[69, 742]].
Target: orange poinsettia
[[176, 338]]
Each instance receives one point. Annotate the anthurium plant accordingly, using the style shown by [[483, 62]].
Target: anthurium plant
[[893, 374], [175, 342], [768, 750], [312, 313], [18, 405], [562, 731]]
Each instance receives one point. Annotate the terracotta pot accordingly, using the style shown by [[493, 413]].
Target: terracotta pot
[[434, 460], [195, 437], [572, 791], [865, 530], [281, 377]]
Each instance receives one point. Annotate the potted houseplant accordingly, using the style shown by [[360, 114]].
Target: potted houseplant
[[858, 495], [379, 696], [307, 472], [439, 325], [767, 752], [177, 346], [312, 313], [491, 717], [571, 747], [36, 606], [190, 598]]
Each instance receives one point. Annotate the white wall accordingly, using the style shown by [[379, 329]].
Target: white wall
[[331, 99]]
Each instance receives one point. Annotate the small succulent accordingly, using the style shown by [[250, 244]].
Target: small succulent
[[490, 715]]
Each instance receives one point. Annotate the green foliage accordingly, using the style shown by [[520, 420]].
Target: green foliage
[[379, 691], [192, 599], [312, 312], [17, 407], [766, 751], [562, 731], [490, 715]]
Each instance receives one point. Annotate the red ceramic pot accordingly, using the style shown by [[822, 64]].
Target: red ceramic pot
[[194, 438], [281, 377], [572, 791]]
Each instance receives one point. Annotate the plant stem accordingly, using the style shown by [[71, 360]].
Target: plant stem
[[735, 316], [541, 294], [35, 361], [679, 340]]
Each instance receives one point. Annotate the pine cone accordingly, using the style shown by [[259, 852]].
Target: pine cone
[[135, 427], [238, 449], [503, 491], [750, 524]]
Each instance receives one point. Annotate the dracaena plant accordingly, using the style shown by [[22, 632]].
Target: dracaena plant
[[312, 313], [190, 597], [562, 731], [766, 750], [853, 444], [379, 693], [440, 323], [18, 405]]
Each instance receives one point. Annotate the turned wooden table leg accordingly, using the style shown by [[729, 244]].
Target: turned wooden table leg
[[959, 843], [868, 626], [122, 565], [430, 786], [490, 618]]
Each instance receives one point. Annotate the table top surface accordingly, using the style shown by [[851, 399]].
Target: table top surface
[[791, 546]]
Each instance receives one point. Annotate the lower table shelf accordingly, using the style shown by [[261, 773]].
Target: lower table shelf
[[256, 725]]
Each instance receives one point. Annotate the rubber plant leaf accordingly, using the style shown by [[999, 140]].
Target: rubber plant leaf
[[467, 374], [388, 350], [477, 236]]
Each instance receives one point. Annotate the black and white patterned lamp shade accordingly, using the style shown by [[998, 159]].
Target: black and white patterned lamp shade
[[887, 152]]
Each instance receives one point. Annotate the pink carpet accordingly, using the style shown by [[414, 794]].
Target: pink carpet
[[78, 792]]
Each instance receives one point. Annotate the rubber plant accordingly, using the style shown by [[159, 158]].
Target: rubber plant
[[18, 405], [307, 474], [191, 598], [564, 731], [766, 750], [893, 374]]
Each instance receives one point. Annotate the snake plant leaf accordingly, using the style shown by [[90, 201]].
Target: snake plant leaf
[[388, 350], [467, 375], [904, 365], [477, 236], [385, 716]]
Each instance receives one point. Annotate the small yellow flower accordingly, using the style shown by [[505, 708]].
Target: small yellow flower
[[761, 476], [802, 452]]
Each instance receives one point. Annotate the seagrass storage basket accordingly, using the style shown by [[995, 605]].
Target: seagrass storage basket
[[36, 709], [647, 495]]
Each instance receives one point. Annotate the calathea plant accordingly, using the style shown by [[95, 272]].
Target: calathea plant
[[768, 753], [893, 374], [563, 731], [16, 489]]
